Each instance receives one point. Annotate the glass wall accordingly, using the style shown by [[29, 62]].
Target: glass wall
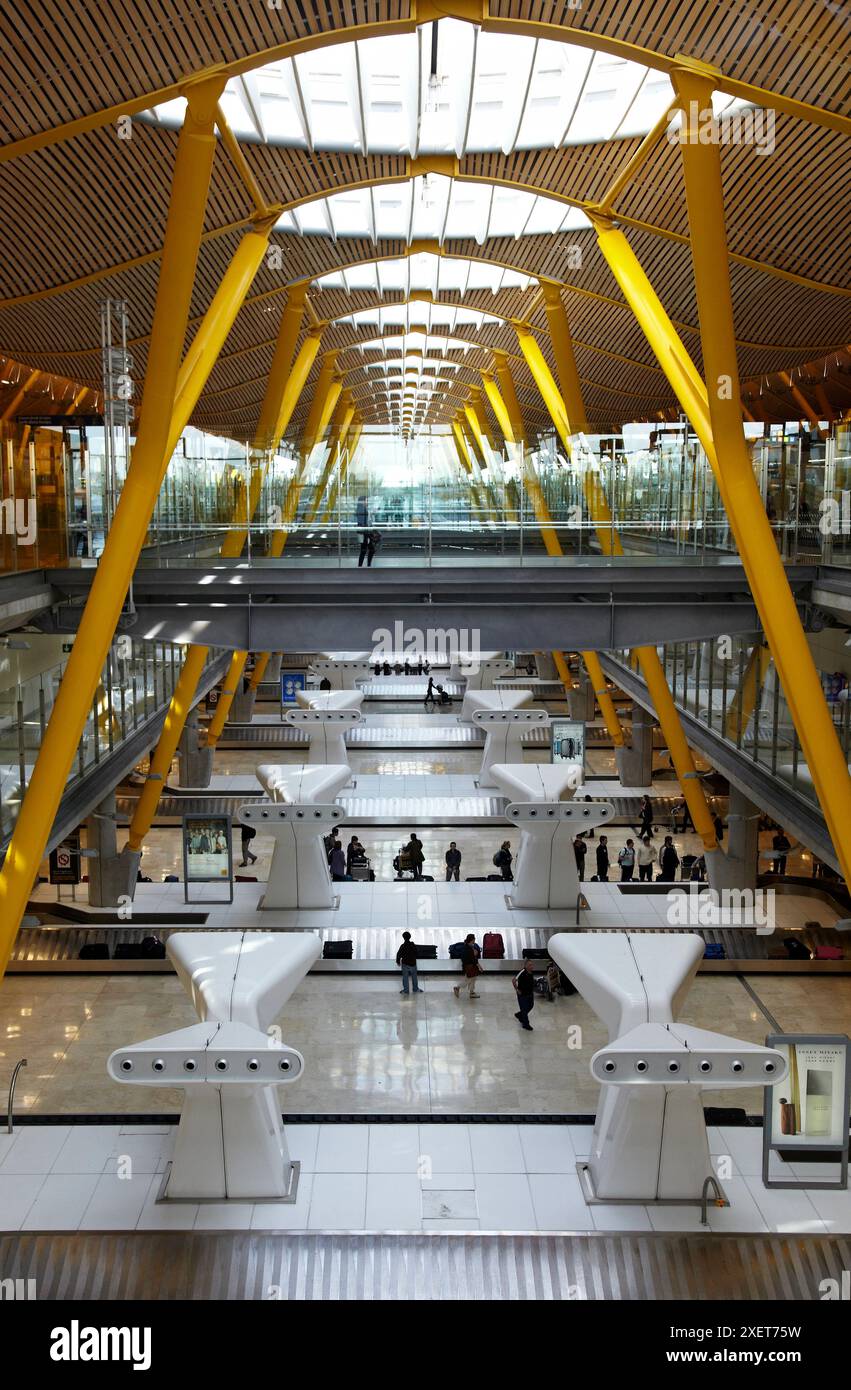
[[138, 679]]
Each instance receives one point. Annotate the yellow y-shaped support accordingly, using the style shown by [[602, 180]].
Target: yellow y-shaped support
[[348, 456], [184, 228], [610, 544], [196, 656], [340, 423], [734, 472]]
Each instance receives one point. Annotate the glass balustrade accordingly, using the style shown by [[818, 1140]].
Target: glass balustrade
[[647, 494]]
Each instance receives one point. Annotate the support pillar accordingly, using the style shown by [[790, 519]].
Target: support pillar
[[742, 860], [582, 701], [194, 759], [109, 873], [635, 764]]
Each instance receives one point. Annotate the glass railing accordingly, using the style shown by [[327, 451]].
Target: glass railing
[[137, 681], [730, 685], [419, 503]]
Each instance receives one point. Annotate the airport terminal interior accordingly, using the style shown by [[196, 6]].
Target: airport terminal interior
[[425, 650]]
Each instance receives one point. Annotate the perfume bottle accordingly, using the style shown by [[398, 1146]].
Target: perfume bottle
[[787, 1117], [819, 1101]]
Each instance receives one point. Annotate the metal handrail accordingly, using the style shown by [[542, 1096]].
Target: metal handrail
[[711, 1181], [12, 1085]]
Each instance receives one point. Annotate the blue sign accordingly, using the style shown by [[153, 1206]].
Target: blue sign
[[291, 681]]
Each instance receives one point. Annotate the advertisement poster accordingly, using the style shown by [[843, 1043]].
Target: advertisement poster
[[568, 744], [291, 682], [808, 1108], [206, 848]]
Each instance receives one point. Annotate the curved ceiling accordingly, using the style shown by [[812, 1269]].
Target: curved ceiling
[[529, 123]]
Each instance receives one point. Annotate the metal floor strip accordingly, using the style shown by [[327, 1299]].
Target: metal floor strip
[[411, 1266]]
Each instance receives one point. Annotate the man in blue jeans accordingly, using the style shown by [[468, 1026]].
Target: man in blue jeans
[[524, 985], [406, 957]]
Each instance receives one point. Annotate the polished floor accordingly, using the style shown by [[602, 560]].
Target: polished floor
[[369, 1050]]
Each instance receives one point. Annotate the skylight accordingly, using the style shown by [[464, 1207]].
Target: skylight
[[432, 207], [408, 316], [425, 271], [468, 92]]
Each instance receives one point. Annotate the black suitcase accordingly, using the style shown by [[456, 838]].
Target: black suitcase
[[338, 950], [426, 952], [95, 951], [129, 950], [535, 953], [152, 948]]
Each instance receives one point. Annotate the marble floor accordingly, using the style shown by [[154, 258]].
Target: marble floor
[[404, 1177], [370, 1051]]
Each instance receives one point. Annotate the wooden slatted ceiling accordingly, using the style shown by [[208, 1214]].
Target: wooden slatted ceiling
[[76, 209]]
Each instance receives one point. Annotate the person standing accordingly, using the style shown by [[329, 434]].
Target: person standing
[[414, 850], [337, 863], [603, 859], [719, 827], [580, 849], [406, 958], [669, 860], [471, 968], [646, 857], [524, 988], [626, 860], [453, 862], [355, 853], [331, 841], [503, 861], [781, 846]]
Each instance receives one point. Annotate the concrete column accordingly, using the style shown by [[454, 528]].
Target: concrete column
[[272, 674], [111, 876], [582, 702], [741, 862], [546, 666], [195, 761], [242, 707], [635, 764]]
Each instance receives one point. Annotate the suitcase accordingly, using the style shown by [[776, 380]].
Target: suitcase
[[361, 872], [426, 952], [97, 950], [493, 946], [535, 953], [338, 950], [714, 951], [457, 951], [129, 950]]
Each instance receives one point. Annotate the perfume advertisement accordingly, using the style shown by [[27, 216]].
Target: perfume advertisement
[[568, 741], [808, 1108]]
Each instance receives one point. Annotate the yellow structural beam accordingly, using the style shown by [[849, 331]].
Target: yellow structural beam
[[259, 671], [745, 511], [343, 416], [214, 328], [349, 451], [292, 316], [295, 385], [565, 358], [744, 700], [323, 400], [190, 183], [163, 755], [230, 687]]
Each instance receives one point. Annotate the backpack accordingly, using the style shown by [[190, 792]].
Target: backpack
[[457, 951]]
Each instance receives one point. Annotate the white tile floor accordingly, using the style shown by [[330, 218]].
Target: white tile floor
[[385, 1177]]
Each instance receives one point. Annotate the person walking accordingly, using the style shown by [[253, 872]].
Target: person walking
[[646, 859], [453, 862], [669, 860], [524, 988], [603, 859], [646, 813], [370, 542], [719, 827], [626, 860], [503, 861], [430, 697], [580, 849], [471, 968], [406, 958], [247, 835]]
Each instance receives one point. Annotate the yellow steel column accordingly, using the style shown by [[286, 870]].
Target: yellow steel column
[[348, 455], [681, 755], [322, 399], [184, 228], [230, 686], [343, 416], [259, 671], [279, 372], [295, 385], [568, 372]]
